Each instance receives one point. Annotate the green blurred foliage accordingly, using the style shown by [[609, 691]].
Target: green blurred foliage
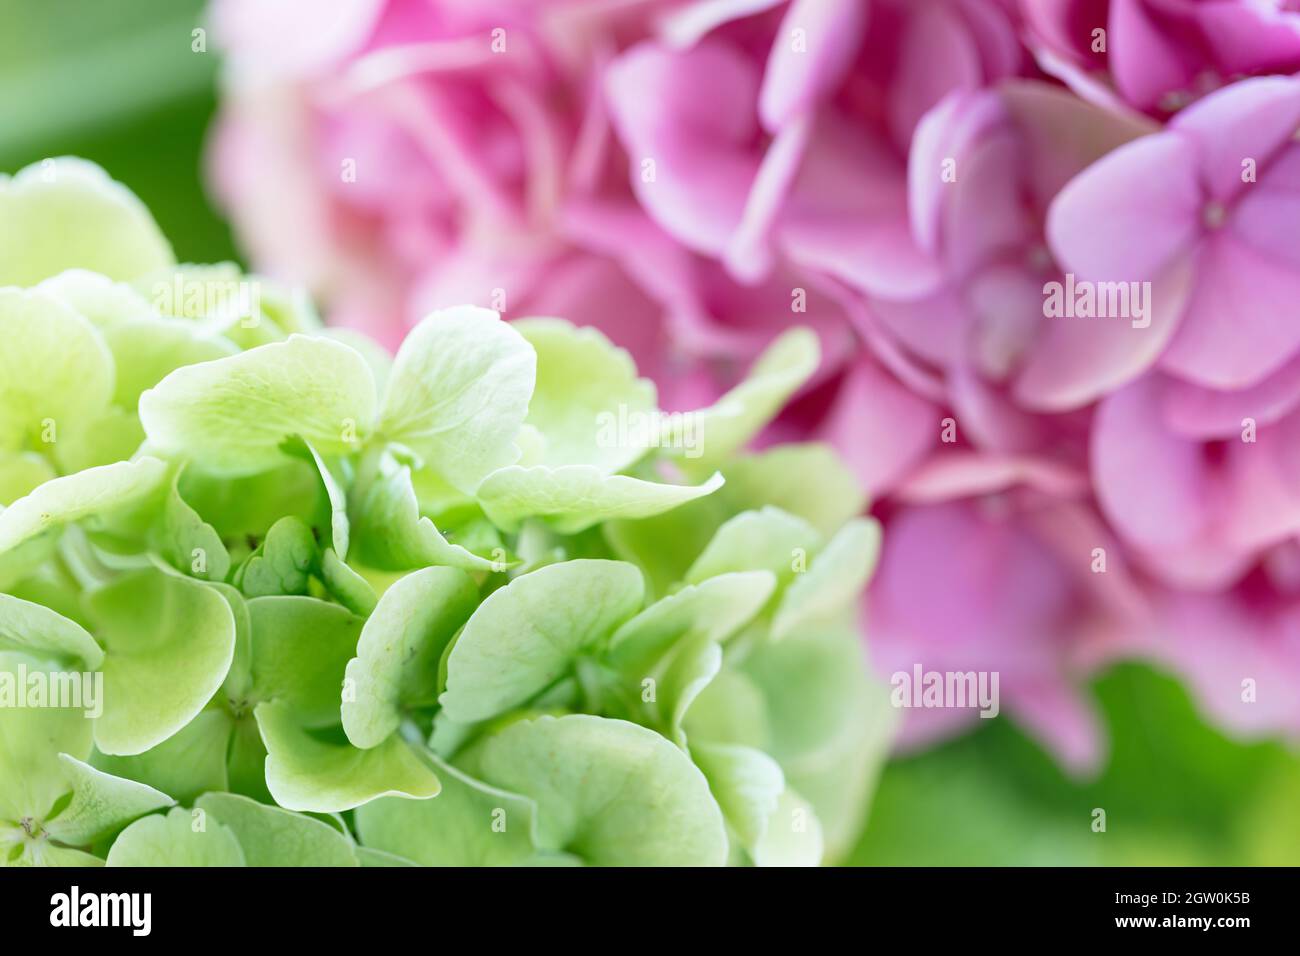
[[118, 83], [1176, 791]]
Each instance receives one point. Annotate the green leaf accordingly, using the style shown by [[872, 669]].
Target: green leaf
[[56, 372], [111, 435], [232, 415], [459, 392], [529, 634], [307, 773], [609, 791], [586, 388], [400, 647], [747, 784], [271, 836], [468, 824], [729, 423], [168, 644], [35, 629], [833, 580], [572, 498], [67, 213], [101, 804], [95, 491], [391, 534], [176, 840], [301, 649]]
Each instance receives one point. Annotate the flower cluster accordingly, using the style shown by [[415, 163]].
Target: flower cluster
[[1050, 250], [271, 596]]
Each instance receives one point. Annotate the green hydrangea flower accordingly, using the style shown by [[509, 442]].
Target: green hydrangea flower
[[271, 597]]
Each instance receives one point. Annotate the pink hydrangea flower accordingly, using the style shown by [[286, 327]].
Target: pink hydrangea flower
[[1057, 491], [1160, 55]]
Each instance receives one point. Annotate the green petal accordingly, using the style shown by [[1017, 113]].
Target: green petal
[[283, 563], [102, 300], [239, 508], [35, 629], [609, 791], [747, 784], [113, 434], [338, 503], [468, 824], [770, 540], [67, 213], [181, 838], [20, 473], [187, 542], [679, 679], [231, 415], [379, 858], [101, 804], [730, 422], [715, 608], [187, 763], [458, 393], [301, 648], [346, 585], [168, 644], [147, 348], [830, 724], [96, 491], [833, 580], [31, 738], [56, 372], [400, 647], [528, 634], [306, 773], [391, 534], [731, 709], [586, 388], [572, 498], [793, 834], [809, 481], [271, 836]]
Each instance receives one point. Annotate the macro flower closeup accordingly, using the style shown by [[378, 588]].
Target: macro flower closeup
[[652, 433]]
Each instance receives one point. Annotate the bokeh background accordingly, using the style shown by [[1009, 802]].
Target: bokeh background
[[117, 83]]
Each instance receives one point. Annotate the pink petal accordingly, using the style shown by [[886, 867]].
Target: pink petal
[[1076, 360], [795, 80], [1252, 118], [1130, 213], [1240, 325], [880, 427], [691, 114], [1206, 413]]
